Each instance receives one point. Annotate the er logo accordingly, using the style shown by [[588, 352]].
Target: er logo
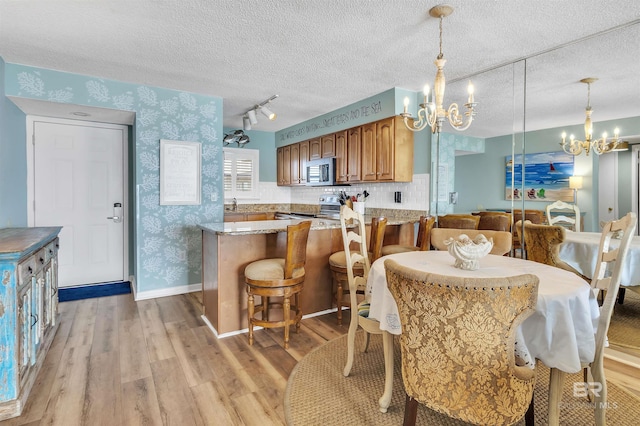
[[581, 389]]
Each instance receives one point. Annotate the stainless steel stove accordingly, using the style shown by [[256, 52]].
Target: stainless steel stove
[[329, 206]]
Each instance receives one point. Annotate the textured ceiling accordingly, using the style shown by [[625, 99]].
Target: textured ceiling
[[321, 55]]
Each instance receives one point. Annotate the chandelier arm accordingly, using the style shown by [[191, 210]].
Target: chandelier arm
[[455, 119]]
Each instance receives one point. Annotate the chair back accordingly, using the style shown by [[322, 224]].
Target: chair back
[[423, 241], [533, 216], [542, 242], [608, 272], [572, 222], [459, 221], [458, 342], [296, 255], [501, 239], [376, 239], [497, 221], [359, 252]]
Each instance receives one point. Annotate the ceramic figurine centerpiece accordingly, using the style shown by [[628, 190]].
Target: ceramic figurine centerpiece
[[468, 252]]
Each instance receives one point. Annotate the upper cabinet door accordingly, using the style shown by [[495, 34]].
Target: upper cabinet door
[[315, 150], [328, 145], [342, 157], [369, 152], [295, 164], [354, 154], [385, 149], [304, 159]]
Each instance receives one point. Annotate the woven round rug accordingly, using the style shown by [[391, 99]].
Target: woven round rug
[[625, 322], [318, 394]]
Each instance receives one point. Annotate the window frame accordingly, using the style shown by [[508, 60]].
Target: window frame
[[235, 154]]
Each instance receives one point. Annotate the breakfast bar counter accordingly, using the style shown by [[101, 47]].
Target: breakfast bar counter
[[228, 247]]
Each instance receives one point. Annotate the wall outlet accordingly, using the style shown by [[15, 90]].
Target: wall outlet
[[453, 198], [214, 197], [397, 197]]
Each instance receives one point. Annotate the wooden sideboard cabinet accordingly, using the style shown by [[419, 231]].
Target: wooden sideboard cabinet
[[28, 310]]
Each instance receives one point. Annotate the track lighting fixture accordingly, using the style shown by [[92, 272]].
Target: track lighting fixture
[[238, 137], [250, 117], [246, 123], [268, 113]]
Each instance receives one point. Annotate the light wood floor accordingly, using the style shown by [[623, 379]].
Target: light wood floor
[[154, 362]]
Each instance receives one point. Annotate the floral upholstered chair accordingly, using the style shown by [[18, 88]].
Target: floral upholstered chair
[[458, 343]]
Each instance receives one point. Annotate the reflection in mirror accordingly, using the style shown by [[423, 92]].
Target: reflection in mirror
[[554, 101]]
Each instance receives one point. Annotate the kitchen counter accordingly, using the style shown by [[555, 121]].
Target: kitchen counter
[[280, 225], [228, 247]]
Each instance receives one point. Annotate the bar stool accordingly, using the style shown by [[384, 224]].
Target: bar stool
[[338, 262], [422, 241], [278, 278]]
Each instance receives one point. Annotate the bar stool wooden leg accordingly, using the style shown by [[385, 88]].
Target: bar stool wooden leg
[[286, 307], [250, 309]]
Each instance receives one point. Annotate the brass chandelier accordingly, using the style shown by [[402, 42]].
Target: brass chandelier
[[599, 146], [431, 112]]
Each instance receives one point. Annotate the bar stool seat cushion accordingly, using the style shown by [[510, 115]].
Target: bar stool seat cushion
[[269, 270], [397, 248], [339, 259]]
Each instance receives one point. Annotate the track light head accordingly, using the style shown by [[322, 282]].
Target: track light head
[[246, 123], [268, 113], [252, 116]]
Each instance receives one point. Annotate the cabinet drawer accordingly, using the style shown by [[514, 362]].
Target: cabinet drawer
[[51, 250], [26, 269]]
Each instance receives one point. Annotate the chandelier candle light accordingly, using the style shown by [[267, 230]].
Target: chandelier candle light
[[599, 146], [431, 112]]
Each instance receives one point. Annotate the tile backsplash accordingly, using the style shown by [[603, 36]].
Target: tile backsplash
[[415, 195]]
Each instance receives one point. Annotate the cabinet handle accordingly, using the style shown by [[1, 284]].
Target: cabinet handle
[[42, 260], [35, 319], [30, 270]]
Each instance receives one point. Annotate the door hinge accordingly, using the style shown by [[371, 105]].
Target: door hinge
[[33, 139]]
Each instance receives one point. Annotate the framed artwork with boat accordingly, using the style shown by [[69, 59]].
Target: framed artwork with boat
[[546, 176]]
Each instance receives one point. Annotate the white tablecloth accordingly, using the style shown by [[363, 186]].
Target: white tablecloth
[[561, 332], [580, 249]]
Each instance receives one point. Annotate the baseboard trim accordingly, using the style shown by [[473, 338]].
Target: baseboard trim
[[246, 330], [67, 294], [164, 292]]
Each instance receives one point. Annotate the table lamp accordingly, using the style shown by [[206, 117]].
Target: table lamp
[[575, 183]]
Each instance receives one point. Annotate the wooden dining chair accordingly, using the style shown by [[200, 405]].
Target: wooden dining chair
[[564, 214], [501, 239], [356, 254], [425, 226], [458, 221], [606, 278], [278, 277], [494, 221], [338, 262], [472, 374], [533, 216]]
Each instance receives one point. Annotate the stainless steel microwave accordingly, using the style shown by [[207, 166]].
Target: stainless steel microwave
[[321, 172]]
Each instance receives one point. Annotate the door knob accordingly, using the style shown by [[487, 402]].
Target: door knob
[[117, 213], [610, 209]]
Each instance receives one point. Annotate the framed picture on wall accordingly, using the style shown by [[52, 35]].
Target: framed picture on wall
[[180, 172], [546, 176]]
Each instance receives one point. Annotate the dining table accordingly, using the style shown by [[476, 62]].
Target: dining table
[[561, 331], [580, 251]]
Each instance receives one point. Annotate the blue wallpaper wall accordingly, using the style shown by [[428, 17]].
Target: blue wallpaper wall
[[13, 174], [167, 240]]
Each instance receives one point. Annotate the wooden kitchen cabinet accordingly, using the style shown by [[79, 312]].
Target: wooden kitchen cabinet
[[283, 159], [342, 158], [328, 146], [315, 149], [354, 154], [381, 151], [29, 298], [387, 151]]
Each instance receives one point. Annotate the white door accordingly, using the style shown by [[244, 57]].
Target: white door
[[78, 178], [608, 187]]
